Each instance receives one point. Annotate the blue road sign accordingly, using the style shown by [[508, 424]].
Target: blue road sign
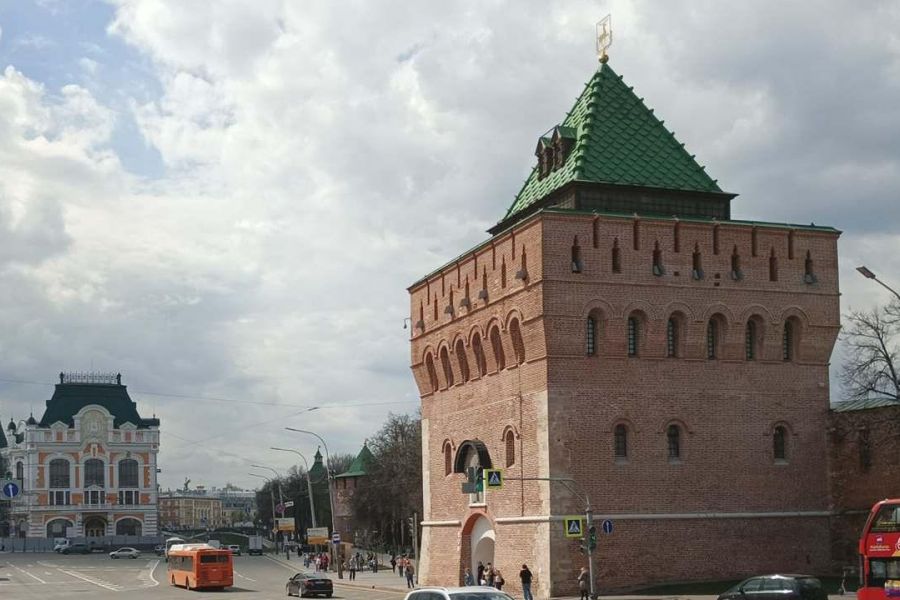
[[607, 526], [10, 489]]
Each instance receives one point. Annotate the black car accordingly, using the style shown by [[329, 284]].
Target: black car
[[76, 548], [302, 584], [777, 587]]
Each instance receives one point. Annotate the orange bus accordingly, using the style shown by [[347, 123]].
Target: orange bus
[[879, 553], [197, 566]]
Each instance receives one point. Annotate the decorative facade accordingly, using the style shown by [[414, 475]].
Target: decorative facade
[[88, 466], [621, 331], [177, 511]]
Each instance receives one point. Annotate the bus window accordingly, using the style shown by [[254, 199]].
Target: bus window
[[887, 520], [882, 569], [213, 558]]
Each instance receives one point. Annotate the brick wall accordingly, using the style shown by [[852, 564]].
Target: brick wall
[[563, 406]]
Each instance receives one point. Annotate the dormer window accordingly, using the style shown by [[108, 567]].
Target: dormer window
[[553, 151]]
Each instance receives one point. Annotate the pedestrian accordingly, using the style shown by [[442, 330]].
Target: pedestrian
[[480, 573], [468, 579], [489, 575], [525, 576], [352, 570], [374, 563], [402, 563], [393, 563], [410, 571], [318, 563], [498, 579], [583, 583]]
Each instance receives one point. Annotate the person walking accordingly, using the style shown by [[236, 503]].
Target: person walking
[[410, 572], [402, 566], [489, 575], [318, 562], [583, 583], [393, 563], [480, 574], [352, 569], [467, 578], [498, 579], [525, 576]]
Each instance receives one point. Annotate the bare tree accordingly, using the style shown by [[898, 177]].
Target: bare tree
[[873, 353]]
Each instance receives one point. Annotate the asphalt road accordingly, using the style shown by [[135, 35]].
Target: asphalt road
[[51, 576]]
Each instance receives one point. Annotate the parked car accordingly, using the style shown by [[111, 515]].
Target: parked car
[[458, 593], [235, 549], [76, 548], [304, 585], [60, 545], [160, 550], [777, 587], [125, 553]]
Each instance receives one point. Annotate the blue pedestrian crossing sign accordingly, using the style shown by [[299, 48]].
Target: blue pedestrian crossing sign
[[493, 479], [10, 488], [607, 526], [573, 526]]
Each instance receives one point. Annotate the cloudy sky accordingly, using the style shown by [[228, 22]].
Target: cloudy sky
[[225, 201]]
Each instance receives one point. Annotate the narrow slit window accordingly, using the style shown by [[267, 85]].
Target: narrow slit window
[[576, 257], [696, 264], [633, 331], [736, 273], [616, 257], [591, 340], [787, 341], [621, 442], [779, 443], [773, 266], [808, 275], [712, 340], [750, 340], [673, 439], [657, 260], [672, 338]]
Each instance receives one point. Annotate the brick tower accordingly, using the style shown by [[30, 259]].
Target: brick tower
[[619, 328]]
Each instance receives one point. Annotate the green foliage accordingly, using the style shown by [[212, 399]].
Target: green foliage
[[391, 491]]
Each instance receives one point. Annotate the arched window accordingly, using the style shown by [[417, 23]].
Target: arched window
[[712, 339], [616, 257], [577, 265], [497, 347], [515, 333], [673, 441], [445, 365], [478, 351], [657, 260], [620, 449], [750, 340], [432, 372], [633, 334], [779, 443], [808, 275], [787, 341], [448, 459], [510, 443], [59, 473], [736, 273], [93, 473], [463, 360], [696, 264], [591, 337], [672, 338], [128, 473]]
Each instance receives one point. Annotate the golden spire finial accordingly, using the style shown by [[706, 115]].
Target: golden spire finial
[[604, 37]]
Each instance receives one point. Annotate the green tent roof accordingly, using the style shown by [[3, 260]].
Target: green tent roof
[[619, 141], [360, 464], [69, 398]]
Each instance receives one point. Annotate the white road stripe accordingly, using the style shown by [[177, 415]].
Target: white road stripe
[[97, 582], [27, 573], [150, 573], [244, 576]]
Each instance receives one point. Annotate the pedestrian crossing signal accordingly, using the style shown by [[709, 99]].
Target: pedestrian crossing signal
[[493, 479], [573, 527]]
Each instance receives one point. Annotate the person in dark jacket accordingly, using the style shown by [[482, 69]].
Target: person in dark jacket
[[525, 576]]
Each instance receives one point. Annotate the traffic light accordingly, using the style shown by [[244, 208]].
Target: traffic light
[[592, 538]]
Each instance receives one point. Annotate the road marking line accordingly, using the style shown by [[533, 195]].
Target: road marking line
[[97, 582], [244, 576], [27, 573], [150, 573]]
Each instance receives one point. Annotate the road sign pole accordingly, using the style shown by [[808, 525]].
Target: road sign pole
[[588, 524]]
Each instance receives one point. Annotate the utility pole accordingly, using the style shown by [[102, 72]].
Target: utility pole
[[589, 525], [415, 541]]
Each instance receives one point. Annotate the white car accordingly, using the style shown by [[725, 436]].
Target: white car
[[235, 549], [124, 553], [61, 545], [458, 593]]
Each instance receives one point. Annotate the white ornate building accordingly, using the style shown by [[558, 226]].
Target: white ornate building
[[88, 466]]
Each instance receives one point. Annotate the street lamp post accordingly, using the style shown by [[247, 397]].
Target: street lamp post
[[277, 482], [328, 480], [272, 497], [865, 272], [312, 505]]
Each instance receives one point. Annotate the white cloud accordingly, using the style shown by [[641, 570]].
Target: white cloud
[[319, 158]]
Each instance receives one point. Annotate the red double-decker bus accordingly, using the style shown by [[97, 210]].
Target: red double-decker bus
[[879, 553]]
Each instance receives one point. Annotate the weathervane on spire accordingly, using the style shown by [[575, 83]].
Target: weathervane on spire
[[604, 37]]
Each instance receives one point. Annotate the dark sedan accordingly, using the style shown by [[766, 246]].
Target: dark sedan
[[777, 587], [302, 584]]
